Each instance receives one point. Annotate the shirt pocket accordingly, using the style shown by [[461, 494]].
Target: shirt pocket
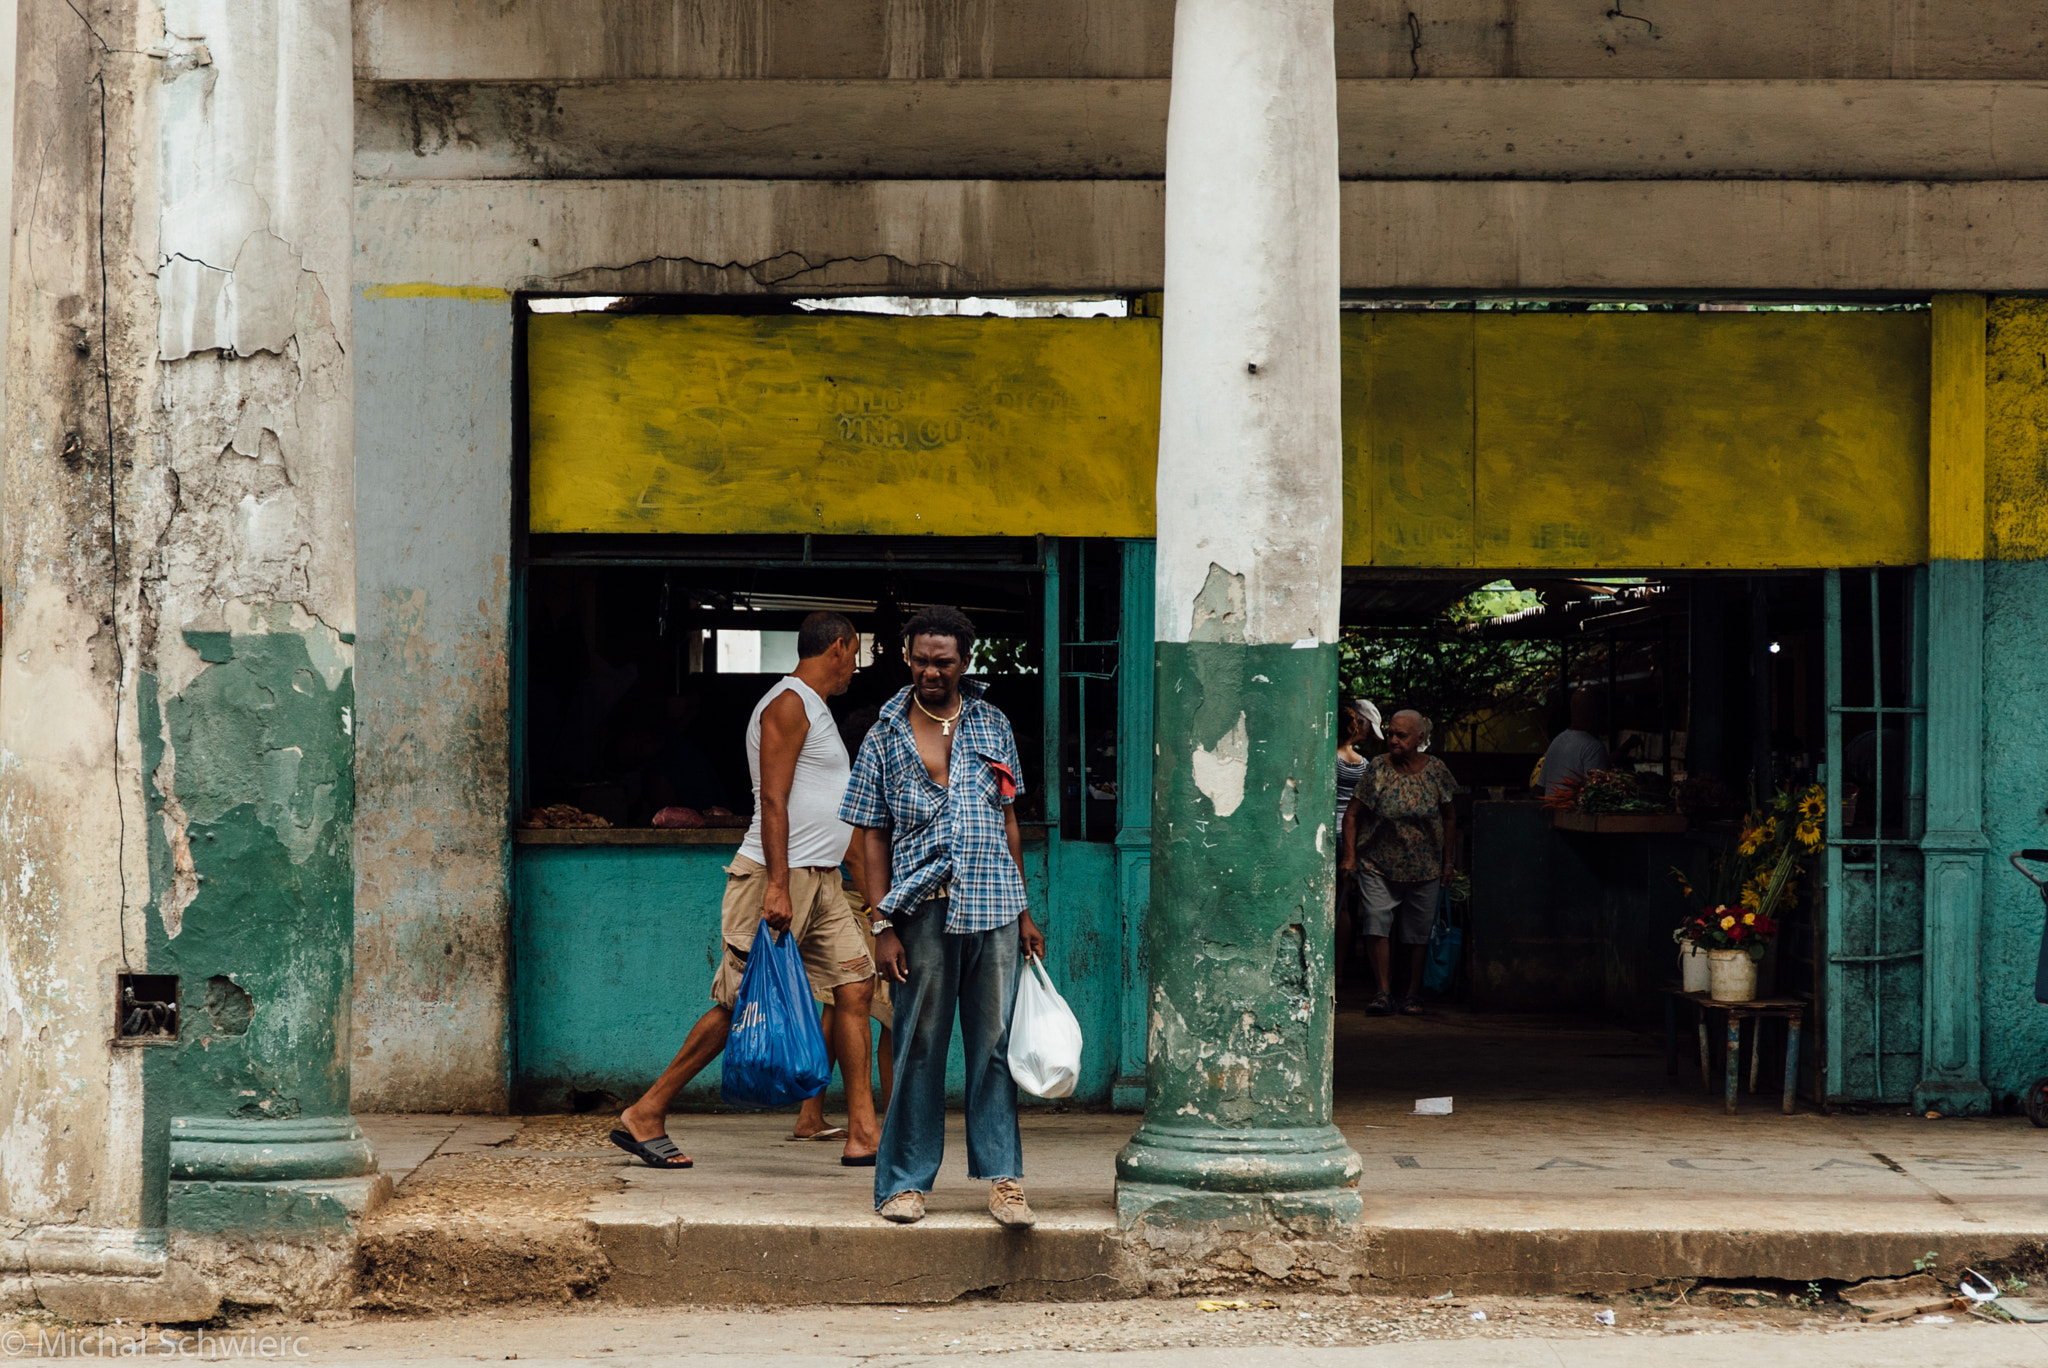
[[991, 772]]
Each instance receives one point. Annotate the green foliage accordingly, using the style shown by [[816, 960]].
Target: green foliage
[[1615, 791], [1448, 672], [1004, 656], [1926, 1261]]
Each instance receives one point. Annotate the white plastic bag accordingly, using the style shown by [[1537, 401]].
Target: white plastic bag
[[1045, 1039]]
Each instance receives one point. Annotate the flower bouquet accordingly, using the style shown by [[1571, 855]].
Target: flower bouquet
[[1726, 926], [1754, 882], [1774, 839]]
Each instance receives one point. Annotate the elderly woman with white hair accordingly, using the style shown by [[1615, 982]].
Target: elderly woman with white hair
[[1398, 838]]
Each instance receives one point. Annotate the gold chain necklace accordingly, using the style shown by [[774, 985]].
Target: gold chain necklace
[[945, 723]]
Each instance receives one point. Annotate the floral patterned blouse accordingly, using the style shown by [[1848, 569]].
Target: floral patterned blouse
[[1400, 818]]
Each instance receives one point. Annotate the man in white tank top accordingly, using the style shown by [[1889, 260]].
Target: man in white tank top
[[787, 874]]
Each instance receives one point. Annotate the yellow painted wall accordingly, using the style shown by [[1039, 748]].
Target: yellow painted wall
[[842, 424], [2016, 428], [1588, 441], [1408, 432], [1701, 440], [1958, 526]]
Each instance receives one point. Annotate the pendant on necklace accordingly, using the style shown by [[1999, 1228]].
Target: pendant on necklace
[[945, 728]]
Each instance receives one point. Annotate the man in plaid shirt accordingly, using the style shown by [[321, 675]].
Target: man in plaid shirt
[[933, 793]]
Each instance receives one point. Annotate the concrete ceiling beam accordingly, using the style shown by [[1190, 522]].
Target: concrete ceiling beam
[[963, 236], [1109, 129], [527, 40]]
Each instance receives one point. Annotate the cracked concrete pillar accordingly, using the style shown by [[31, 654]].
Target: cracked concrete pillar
[[1237, 1127], [176, 757]]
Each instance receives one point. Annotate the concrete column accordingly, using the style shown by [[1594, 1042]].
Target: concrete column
[[1237, 1127], [1953, 847], [176, 704]]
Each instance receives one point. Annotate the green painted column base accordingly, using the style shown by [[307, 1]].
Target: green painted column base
[[1305, 1177], [1308, 1213], [248, 1208], [305, 1173]]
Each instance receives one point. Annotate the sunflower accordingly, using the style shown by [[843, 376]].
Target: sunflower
[[1753, 891], [1752, 840], [1813, 806], [1808, 834]]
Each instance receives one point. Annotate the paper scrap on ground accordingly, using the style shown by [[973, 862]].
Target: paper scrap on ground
[[1223, 1306], [1982, 1292], [1432, 1106]]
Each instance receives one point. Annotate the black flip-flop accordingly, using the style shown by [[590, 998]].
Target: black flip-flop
[[857, 1160], [658, 1153]]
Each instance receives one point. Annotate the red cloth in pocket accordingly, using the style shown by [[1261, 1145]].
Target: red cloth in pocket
[[1005, 780]]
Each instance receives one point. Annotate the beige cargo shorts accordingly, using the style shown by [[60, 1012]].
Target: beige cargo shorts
[[879, 1007], [827, 934]]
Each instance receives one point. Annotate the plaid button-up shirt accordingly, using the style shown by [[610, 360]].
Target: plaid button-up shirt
[[943, 841]]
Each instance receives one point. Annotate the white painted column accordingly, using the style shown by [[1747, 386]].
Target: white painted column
[[1238, 1128], [1250, 448]]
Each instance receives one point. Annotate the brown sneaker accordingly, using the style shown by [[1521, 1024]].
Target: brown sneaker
[[906, 1207], [1006, 1203]]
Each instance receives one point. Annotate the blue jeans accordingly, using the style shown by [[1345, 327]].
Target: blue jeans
[[975, 974]]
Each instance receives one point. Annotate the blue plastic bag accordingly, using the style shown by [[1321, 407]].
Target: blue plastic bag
[[1446, 944], [775, 1054]]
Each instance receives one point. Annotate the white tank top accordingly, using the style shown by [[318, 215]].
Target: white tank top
[[816, 835]]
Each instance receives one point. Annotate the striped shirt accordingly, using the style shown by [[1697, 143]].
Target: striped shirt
[[1348, 775], [944, 842]]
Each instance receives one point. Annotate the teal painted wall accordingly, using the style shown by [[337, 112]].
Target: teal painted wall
[[615, 948], [2015, 816]]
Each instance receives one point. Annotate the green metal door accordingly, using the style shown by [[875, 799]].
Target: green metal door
[[1875, 905]]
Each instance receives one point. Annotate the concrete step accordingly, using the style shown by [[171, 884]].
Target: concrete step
[[664, 1260], [640, 1258]]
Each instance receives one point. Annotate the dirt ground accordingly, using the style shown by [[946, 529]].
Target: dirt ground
[[989, 1327]]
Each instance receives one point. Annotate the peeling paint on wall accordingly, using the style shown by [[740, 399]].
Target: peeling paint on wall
[[1219, 608], [265, 787], [1220, 773]]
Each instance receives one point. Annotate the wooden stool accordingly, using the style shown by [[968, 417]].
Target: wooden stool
[[1792, 1011]]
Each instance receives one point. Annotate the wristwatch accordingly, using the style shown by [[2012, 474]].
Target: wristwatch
[[879, 925]]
